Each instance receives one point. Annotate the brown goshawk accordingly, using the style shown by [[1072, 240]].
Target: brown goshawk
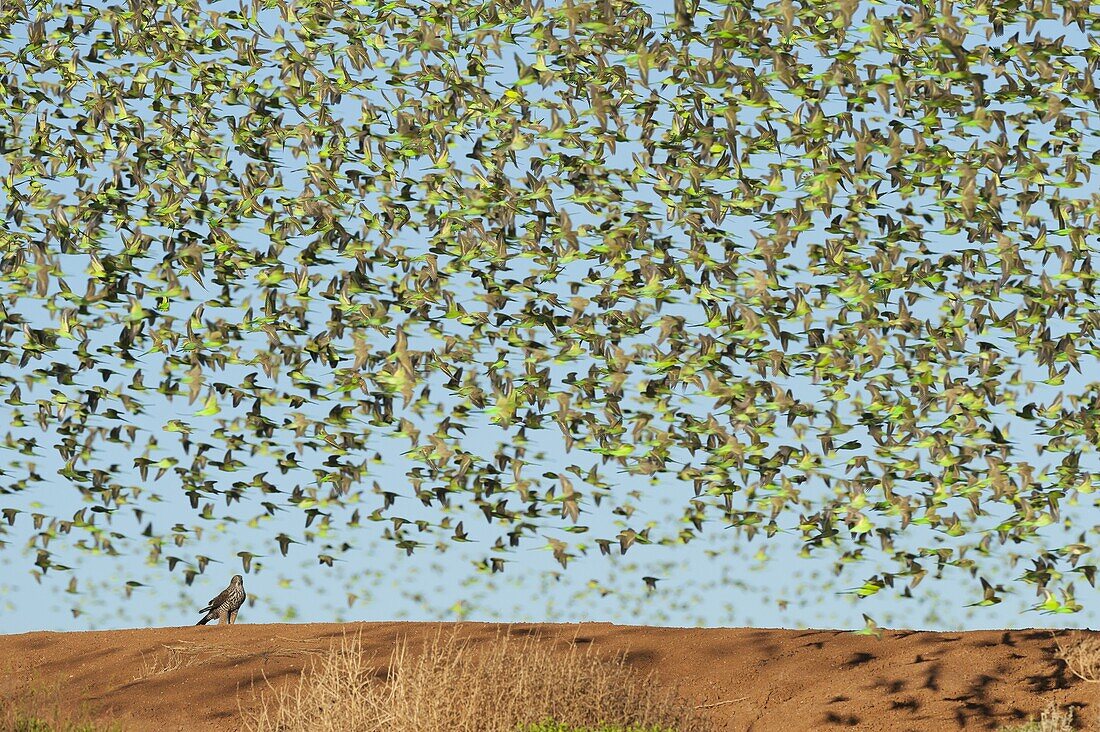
[[224, 607]]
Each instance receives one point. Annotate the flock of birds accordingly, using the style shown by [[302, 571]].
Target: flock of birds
[[804, 257]]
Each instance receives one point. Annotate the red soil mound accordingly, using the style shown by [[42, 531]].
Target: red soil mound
[[749, 679]]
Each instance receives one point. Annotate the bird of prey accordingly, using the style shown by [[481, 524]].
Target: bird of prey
[[224, 607]]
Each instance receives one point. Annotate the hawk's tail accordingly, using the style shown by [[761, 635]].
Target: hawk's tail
[[204, 621]]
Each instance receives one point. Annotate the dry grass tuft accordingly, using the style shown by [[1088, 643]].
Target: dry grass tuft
[[186, 654], [1056, 720], [457, 685], [1053, 719], [1082, 657], [41, 707], [168, 659]]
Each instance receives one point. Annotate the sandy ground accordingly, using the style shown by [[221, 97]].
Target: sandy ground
[[769, 679]]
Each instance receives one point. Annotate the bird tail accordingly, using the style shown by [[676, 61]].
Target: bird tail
[[204, 621]]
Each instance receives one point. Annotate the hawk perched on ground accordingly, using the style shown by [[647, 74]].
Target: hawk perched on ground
[[224, 607]]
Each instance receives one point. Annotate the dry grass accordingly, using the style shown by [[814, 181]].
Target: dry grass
[[190, 653], [1053, 719], [40, 707], [1082, 658], [168, 659], [505, 685], [1056, 720]]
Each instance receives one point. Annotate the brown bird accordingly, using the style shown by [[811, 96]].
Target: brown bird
[[224, 607]]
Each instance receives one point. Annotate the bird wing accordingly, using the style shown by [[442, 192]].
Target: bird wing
[[216, 601]]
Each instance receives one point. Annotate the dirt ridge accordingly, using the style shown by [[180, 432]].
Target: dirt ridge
[[757, 679]]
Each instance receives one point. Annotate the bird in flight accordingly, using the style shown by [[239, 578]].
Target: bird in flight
[[224, 607]]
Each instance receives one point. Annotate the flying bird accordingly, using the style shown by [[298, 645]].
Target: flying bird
[[224, 607], [876, 346]]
